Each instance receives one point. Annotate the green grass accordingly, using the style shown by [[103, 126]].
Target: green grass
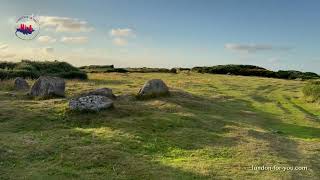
[[210, 127], [312, 91]]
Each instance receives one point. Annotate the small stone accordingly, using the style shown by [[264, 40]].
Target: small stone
[[153, 88], [276, 131], [107, 92], [21, 84]]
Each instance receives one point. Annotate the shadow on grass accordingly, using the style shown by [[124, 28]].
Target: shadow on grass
[[163, 128], [199, 122], [304, 111]]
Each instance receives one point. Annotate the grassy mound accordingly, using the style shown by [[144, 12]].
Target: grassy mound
[[34, 69], [312, 91]]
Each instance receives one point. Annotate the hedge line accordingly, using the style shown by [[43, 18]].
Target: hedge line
[[34, 69], [250, 70]]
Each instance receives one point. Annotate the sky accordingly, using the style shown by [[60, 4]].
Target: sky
[[167, 33]]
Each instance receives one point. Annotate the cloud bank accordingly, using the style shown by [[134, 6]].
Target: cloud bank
[[120, 41], [251, 48], [120, 36], [3, 46], [75, 40], [126, 32], [46, 39], [64, 24]]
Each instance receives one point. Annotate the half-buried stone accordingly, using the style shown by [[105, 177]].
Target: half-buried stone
[[153, 88], [106, 92], [90, 103], [21, 84], [47, 86]]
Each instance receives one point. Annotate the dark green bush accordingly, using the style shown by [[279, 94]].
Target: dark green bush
[[312, 90], [184, 69], [72, 75], [173, 70], [119, 70]]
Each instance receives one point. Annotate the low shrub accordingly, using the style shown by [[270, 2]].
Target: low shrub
[[173, 70], [72, 75], [119, 70]]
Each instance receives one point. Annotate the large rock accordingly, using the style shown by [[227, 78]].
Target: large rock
[[153, 88], [90, 103], [106, 92], [46, 86], [21, 84]]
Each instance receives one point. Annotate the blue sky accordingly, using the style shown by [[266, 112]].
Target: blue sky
[[161, 33]]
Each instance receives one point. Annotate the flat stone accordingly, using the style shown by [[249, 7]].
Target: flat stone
[[90, 103]]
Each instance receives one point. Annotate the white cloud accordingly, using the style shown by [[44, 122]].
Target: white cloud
[[46, 39], [6, 55], [120, 36], [251, 48], [120, 41], [4, 52], [65, 24], [75, 40], [3, 46], [126, 32]]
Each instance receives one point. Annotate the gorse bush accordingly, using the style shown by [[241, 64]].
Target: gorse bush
[[10, 74], [34, 69], [312, 90]]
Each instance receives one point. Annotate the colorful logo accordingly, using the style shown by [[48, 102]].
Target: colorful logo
[[27, 28]]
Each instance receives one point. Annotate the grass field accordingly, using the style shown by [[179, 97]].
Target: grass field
[[211, 127]]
